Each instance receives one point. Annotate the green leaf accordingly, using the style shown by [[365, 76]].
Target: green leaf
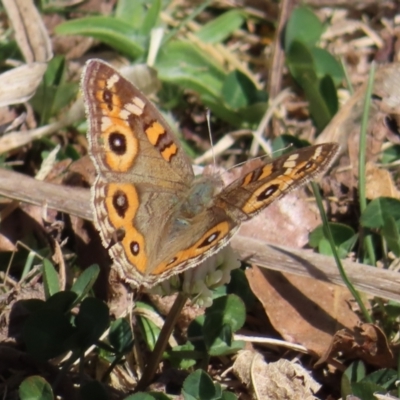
[[329, 94], [219, 109], [91, 321], [54, 93], [228, 396], [345, 386], [344, 239], [239, 285], [199, 386], [220, 28], [300, 61], [326, 64], [225, 316], [390, 232], [239, 90], [93, 390], [355, 371], [230, 309], [46, 333], [146, 396], [385, 378], [120, 336], [151, 17], [391, 153], [301, 64], [184, 356], [303, 26], [35, 388], [392, 309], [50, 279], [150, 331], [182, 63], [195, 331], [366, 390], [85, 281], [61, 301], [113, 31], [141, 15], [378, 211]]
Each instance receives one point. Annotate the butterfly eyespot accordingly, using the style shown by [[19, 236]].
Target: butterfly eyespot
[[135, 248], [120, 203], [309, 165], [267, 192], [117, 143], [209, 240], [107, 97]]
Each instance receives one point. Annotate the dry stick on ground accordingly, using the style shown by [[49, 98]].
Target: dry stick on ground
[[75, 201]]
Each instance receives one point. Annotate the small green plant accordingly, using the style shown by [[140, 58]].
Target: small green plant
[[314, 69], [356, 382], [181, 62], [53, 329]]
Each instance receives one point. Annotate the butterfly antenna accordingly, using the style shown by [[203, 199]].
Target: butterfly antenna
[[208, 116]]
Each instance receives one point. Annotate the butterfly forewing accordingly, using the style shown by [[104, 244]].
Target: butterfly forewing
[[250, 194]]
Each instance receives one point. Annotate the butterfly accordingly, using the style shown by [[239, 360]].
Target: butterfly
[[155, 217]]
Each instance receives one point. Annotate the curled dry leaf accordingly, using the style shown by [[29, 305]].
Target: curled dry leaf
[[20, 84], [367, 342], [32, 38], [274, 381]]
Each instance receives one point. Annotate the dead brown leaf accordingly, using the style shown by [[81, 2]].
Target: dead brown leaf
[[367, 342], [379, 183], [281, 380], [303, 310]]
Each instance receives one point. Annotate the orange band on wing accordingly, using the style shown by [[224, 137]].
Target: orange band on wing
[[205, 243], [122, 203], [117, 137], [154, 132], [266, 194]]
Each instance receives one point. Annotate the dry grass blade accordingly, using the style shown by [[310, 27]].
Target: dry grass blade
[[33, 39], [20, 84]]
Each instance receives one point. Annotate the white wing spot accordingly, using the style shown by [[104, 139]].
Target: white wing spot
[[139, 102], [134, 108], [292, 157], [112, 81], [318, 151], [289, 164]]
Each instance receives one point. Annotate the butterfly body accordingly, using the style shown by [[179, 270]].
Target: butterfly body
[[156, 218]]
